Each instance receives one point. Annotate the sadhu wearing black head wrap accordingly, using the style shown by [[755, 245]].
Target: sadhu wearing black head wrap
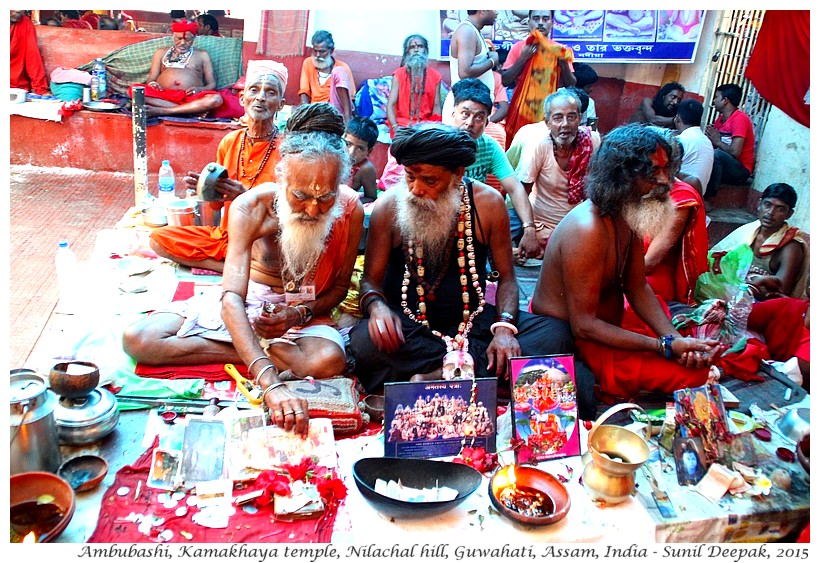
[[422, 292]]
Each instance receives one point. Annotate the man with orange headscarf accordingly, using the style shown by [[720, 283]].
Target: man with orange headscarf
[[540, 66], [181, 80], [249, 154]]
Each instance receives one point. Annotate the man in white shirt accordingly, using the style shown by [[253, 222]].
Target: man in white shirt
[[698, 154]]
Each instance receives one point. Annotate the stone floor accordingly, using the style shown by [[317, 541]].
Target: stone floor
[[46, 205]]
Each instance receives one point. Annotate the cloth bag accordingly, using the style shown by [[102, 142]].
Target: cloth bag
[[335, 398]]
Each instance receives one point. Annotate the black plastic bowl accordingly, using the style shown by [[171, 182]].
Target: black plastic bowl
[[418, 473]]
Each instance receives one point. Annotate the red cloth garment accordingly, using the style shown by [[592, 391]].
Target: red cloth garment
[[171, 95], [578, 163], [76, 24], [743, 365], [779, 64], [623, 374], [208, 372], [432, 81], [182, 27], [26, 68], [676, 277], [231, 107], [781, 322], [113, 525], [92, 19]]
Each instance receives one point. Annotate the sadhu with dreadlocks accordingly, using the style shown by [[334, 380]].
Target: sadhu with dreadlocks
[[425, 272], [290, 257], [415, 93]]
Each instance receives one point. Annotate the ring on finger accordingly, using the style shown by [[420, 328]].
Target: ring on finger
[[288, 413], [298, 412]]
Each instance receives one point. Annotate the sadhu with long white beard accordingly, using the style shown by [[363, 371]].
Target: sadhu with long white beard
[[594, 260], [425, 272], [293, 245]]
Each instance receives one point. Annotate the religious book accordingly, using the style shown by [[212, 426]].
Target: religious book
[[544, 406], [427, 419]]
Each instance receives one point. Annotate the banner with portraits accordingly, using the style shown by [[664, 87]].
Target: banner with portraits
[[600, 36]]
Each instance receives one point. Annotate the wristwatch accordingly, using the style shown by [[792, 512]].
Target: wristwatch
[[667, 346]]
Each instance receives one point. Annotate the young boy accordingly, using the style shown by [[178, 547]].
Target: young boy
[[360, 137]]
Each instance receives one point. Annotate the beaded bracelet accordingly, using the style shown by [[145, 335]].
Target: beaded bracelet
[[501, 324], [261, 371]]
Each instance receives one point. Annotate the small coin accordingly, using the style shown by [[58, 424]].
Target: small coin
[[166, 535], [181, 511], [122, 491], [177, 495], [169, 504], [162, 498], [192, 500]]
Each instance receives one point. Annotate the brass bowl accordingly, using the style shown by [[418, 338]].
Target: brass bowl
[[74, 379], [374, 406]]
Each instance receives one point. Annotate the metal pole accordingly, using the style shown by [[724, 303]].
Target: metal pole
[[140, 151]]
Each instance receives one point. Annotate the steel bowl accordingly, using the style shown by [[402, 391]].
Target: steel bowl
[[795, 423], [417, 473], [155, 216], [374, 406], [205, 187]]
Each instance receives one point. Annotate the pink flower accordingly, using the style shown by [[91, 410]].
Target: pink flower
[[477, 458], [301, 471]]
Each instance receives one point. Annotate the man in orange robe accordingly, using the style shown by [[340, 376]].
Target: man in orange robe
[[250, 156]]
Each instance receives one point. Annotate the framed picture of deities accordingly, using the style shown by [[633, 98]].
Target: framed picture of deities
[[544, 407], [425, 419]]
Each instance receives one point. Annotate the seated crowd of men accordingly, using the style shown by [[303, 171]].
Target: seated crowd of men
[[620, 229]]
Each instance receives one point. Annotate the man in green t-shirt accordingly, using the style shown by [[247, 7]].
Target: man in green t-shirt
[[473, 105]]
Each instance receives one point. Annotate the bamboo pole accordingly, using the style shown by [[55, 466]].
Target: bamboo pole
[[140, 145]]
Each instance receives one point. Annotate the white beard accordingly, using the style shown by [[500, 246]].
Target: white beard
[[302, 238], [428, 222], [650, 215]]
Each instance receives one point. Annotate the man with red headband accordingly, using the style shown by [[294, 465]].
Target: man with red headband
[[181, 80]]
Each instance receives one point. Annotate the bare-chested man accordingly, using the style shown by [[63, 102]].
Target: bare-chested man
[[595, 259], [181, 80], [293, 245]]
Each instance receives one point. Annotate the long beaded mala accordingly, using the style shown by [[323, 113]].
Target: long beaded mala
[[241, 163], [466, 261]]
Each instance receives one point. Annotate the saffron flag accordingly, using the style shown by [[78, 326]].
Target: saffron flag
[[779, 64]]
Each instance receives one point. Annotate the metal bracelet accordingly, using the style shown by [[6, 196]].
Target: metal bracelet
[[261, 371]]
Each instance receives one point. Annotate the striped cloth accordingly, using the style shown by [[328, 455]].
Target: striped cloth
[[130, 64]]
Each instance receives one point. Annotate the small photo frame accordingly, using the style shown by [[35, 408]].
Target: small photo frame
[[690, 461], [425, 419], [165, 467], [203, 450], [238, 445], [544, 406]]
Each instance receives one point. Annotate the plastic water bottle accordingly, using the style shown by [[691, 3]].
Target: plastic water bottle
[[67, 278], [165, 192], [102, 80], [95, 87]]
